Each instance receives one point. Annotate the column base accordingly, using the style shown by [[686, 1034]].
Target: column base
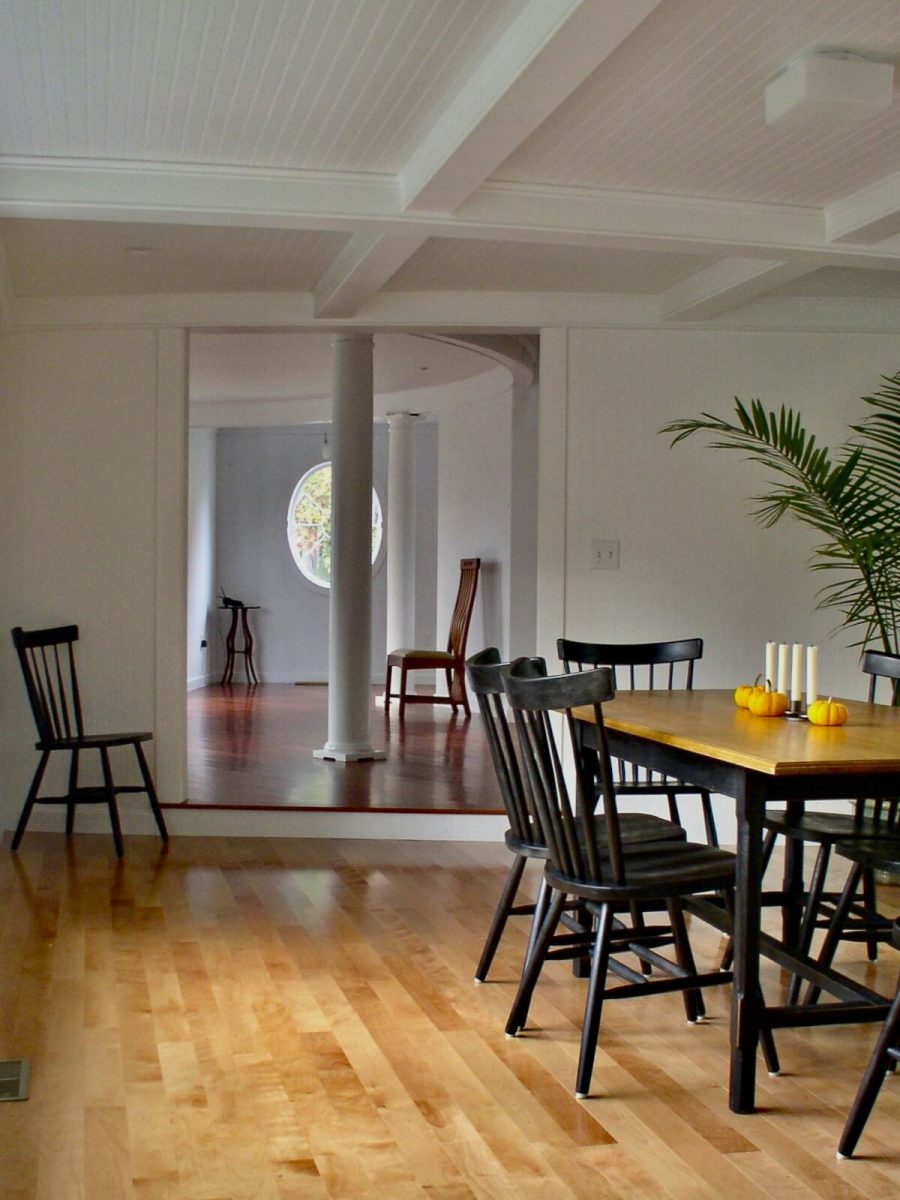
[[362, 754]]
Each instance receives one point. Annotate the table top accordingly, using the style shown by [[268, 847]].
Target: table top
[[709, 723]]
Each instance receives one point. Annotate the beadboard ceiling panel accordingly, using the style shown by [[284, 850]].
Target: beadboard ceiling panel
[[678, 109], [364, 152], [460, 265], [95, 258], [322, 84]]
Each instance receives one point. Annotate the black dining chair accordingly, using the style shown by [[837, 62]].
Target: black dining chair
[[605, 874], [884, 1057], [47, 659], [645, 665], [523, 838], [861, 921]]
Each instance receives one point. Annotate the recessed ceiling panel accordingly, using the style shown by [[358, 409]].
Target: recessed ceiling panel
[[319, 84], [468, 265], [300, 366], [93, 258], [846, 282], [678, 107]]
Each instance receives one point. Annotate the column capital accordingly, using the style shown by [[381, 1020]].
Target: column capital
[[400, 419]]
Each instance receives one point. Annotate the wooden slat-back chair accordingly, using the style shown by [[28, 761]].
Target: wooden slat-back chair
[[451, 661]]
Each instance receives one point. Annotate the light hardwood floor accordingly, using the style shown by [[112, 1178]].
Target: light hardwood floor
[[283, 1019]]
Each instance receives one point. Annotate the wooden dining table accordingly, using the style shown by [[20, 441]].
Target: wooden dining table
[[701, 737]]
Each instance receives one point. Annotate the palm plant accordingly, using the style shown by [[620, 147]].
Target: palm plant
[[852, 498]]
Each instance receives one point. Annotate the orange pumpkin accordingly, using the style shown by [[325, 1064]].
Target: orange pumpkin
[[769, 704], [744, 692], [827, 712]]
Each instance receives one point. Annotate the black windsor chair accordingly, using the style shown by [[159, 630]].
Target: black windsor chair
[[523, 838], [667, 665], [884, 1057], [604, 874], [869, 820], [47, 658]]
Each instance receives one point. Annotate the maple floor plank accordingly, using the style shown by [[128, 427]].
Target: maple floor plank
[[249, 1018]]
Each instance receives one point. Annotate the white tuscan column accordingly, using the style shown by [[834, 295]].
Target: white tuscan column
[[401, 531], [350, 624]]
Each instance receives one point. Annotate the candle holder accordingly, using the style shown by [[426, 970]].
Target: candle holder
[[795, 713]]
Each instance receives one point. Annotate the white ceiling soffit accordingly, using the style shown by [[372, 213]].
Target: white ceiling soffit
[[272, 376], [348, 152]]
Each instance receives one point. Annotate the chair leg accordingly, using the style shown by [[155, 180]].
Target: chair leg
[[451, 687], [541, 904], [518, 1014], [501, 915], [463, 693], [709, 820], [402, 691], [835, 929], [30, 799], [151, 791], [111, 802], [73, 787], [387, 687], [593, 1006], [694, 1008], [881, 1060], [810, 916], [870, 914]]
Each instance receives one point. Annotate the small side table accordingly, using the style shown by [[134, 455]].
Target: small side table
[[246, 649]]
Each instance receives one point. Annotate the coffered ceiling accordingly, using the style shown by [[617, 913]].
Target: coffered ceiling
[[504, 163]]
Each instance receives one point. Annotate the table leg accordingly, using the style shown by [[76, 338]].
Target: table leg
[[248, 648], [746, 997], [229, 648]]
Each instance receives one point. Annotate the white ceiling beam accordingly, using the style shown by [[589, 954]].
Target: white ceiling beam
[[548, 50], [869, 215], [361, 269], [471, 311], [352, 203], [724, 285]]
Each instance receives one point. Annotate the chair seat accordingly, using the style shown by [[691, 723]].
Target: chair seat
[[667, 869], [637, 829], [879, 854], [822, 826], [441, 657], [94, 741]]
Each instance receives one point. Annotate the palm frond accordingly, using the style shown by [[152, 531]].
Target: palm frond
[[852, 499]]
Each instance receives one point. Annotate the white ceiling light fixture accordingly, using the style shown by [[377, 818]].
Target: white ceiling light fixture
[[836, 89]]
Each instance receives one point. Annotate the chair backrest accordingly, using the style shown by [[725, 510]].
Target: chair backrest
[[47, 658], [485, 674], [647, 665], [878, 664], [462, 610], [570, 830]]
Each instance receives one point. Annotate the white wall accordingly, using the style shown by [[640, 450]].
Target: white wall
[[693, 561], [257, 470], [474, 506], [90, 470], [202, 618]]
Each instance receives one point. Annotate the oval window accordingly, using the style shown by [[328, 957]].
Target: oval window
[[309, 525]]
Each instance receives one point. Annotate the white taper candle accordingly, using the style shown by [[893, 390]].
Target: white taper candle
[[771, 653], [812, 675], [797, 673], [782, 682]]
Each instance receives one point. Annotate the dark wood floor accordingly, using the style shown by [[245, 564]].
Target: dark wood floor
[[253, 748]]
